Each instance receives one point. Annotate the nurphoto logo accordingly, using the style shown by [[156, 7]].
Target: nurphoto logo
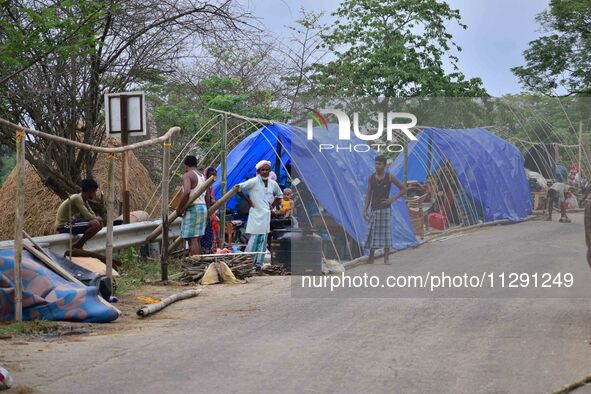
[[317, 116]]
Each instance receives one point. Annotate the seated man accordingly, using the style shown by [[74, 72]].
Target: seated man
[[76, 216]]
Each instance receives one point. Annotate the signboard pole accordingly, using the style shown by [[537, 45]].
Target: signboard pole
[[125, 113], [124, 163]]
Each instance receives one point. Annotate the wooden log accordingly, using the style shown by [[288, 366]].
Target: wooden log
[[172, 216], [51, 264], [147, 310]]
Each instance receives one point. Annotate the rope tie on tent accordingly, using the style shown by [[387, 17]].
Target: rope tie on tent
[[20, 134]]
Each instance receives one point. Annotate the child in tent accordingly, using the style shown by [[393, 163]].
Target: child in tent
[[286, 207]]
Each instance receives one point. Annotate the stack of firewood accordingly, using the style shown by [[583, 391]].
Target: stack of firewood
[[273, 270], [193, 267]]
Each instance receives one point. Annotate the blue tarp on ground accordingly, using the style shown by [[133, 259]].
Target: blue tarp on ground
[[48, 296], [490, 169], [338, 180]]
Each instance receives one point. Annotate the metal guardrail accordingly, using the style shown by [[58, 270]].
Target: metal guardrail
[[125, 235]]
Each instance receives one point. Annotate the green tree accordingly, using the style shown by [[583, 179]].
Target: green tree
[[559, 63], [187, 104], [58, 57], [393, 48]]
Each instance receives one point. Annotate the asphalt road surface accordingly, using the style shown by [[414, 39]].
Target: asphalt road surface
[[258, 337]]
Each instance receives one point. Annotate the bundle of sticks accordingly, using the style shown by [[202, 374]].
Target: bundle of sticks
[[193, 267]]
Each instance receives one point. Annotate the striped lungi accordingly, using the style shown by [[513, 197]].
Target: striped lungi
[[257, 243], [379, 232], [194, 221]]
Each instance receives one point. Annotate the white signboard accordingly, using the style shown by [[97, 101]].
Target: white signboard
[[125, 110]]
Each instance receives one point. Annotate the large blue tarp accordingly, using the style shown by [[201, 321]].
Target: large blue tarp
[[48, 296], [336, 179], [490, 169]]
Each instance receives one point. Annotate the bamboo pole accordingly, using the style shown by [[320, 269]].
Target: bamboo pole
[[147, 310], [210, 212], [164, 211], [405, 174], [224, 180], [18, 226], [110, 199], [100, 149], [580, 148], [200, 190], [248, 119]]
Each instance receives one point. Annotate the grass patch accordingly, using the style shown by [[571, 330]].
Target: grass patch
[[27, 327], [135, 271]]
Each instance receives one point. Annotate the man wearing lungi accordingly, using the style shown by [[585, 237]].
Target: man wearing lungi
[[379, 232], [195, 216], [261, 190]]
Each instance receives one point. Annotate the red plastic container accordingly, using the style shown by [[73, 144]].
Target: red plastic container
[[437, 221]]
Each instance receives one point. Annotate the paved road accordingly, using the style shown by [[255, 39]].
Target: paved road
[[259, 338]]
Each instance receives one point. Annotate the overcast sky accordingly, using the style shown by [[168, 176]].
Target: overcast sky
[[498, 33]]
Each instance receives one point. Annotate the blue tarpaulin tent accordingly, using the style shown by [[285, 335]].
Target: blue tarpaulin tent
[[336, 179], [490, 170]]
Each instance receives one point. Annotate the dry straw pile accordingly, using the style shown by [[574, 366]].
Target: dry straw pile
[[41, 204]]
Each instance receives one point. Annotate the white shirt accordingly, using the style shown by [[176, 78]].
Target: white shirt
[[259, 217]]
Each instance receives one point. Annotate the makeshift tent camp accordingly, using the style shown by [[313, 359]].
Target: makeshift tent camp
[[489, 169], [336, 179], [48, 296]]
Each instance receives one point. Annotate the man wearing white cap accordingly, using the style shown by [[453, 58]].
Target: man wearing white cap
[[261, 190]]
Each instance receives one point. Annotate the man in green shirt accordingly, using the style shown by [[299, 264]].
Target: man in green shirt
[[75, 212]]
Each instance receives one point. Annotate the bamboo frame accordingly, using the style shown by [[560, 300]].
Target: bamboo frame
[[20, 206]]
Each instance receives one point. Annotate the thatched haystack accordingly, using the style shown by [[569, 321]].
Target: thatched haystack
[[41, 204]]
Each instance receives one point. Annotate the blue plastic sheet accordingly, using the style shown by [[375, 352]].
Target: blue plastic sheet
[[48, 296], [490, 169]]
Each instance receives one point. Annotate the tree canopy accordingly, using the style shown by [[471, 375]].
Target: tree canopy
[[58, 58], [393, 48], [559, 62]]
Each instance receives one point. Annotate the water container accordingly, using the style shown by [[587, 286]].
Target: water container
[[298, 251], [437, 220]]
